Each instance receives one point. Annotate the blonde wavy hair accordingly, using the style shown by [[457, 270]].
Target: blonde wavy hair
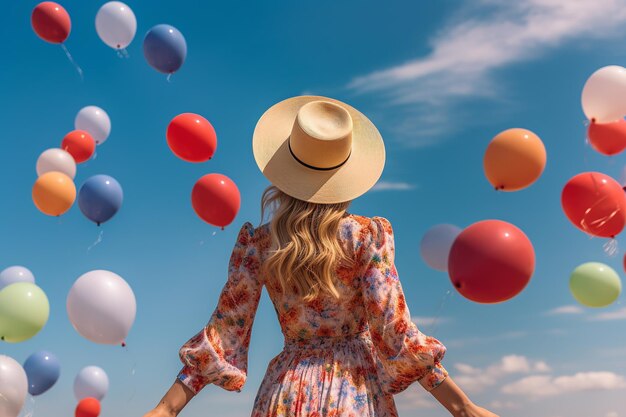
[[306, 249]]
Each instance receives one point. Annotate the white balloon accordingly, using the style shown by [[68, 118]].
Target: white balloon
[[14, 274], [102, 307], [56, 159], [604, 94], [91, 381], [13, 387], [436, 244], [95, 121], [116, 24]]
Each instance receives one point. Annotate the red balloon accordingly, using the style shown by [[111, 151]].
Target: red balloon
[[491, 261], [80, 144], [51, 22], [608, 138], [216, 199], [595, 203], [191, 137], [88, 407]]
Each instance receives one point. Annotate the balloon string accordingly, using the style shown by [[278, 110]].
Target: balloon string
[[71, 59], [435, 324], [30, 410], [122, 53], [97, 241], [611, 247], [94, 156], [202, 241], [133, 370], [169, 77]]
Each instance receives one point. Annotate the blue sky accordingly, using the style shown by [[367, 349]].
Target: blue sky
[[439, 79]]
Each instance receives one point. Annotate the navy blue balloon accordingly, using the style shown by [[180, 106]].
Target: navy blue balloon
[[165, 48], [42, 370], [100, 197]]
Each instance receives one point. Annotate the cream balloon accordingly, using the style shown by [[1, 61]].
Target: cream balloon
[[13, 387], [604, 94], [116, 24], [58, 160], [102, 307], [95, 121]]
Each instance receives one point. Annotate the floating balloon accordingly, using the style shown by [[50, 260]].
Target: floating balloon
[[100, 197], [24, 310], [116, 24], [56, 160], [14, 274], [43, 370], [54, 193], [191, 137], [95, 121], [165, 48], [51, 22], [13, 387], [216, 199], [88, 407], [436, 243], [102, 307], [595, 203], [80, 144], [491, 261], [91, 381], [608, 138], [604, 95], [514, 159], [594, 284]]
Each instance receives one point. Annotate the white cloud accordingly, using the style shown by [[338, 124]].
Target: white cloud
[[568, 309], [392, 186], [537, 386], [481, 38], [610, 315]]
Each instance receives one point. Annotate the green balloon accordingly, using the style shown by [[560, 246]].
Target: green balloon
[[595, 284], [24, 310]]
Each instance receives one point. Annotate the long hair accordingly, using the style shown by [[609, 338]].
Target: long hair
[[306, 248]]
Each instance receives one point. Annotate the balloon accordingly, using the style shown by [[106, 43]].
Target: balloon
[[14, 274], [491, 261], [95, 121], [604, 94], [80, 144], [608, 138], [24, 310], [436, 243], [56, 160], [514, 159], [191, 137], [43, 370], [594, 284], [595, 203], [51, 22], [116, 24], [216, 199], [100, 197], [54, 193], [13, 387], [102, 307], [165, 48], [88, 407], [91, 381]]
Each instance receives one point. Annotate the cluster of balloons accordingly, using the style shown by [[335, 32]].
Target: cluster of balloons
[[215, 197], [90, 386], [54, 192], [164, 47]]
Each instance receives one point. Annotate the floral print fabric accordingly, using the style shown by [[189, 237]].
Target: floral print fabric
[[341, 358]]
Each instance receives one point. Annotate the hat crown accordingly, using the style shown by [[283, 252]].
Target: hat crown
[[321, 137]]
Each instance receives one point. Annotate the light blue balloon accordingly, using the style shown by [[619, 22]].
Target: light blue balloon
[[14, 274], [165, 48], [100, 197], [43, 370], [436, 244]]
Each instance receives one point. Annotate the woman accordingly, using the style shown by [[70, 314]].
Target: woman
[[350, 344]]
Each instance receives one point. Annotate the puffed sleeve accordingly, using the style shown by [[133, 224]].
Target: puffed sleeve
[[218, 354], [404, 353]]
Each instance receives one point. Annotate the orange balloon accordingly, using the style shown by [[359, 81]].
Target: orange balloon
[[514, 159], [54, 193], [88, 407]]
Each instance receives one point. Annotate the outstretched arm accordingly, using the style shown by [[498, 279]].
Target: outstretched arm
[[456, 402], [176, 398]]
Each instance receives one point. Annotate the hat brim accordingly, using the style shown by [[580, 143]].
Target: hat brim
[[270, 144]]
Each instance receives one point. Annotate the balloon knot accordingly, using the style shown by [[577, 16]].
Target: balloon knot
[[123, 344], [98, 223], [222, 227], [457, 284], [2, 338], [593, 120]]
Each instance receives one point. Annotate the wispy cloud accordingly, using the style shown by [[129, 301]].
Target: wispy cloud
[[392, 186], [568, 309], [538, 386], [610, 315], [475, 43]]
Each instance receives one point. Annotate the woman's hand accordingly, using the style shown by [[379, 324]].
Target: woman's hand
[[472, 410]]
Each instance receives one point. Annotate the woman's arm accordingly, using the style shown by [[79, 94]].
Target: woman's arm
[[176, 398], [456, 402]]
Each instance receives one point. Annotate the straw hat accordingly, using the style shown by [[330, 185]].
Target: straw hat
[[318, 149]]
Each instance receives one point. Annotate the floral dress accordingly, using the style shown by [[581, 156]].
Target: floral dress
[[341, 358]]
